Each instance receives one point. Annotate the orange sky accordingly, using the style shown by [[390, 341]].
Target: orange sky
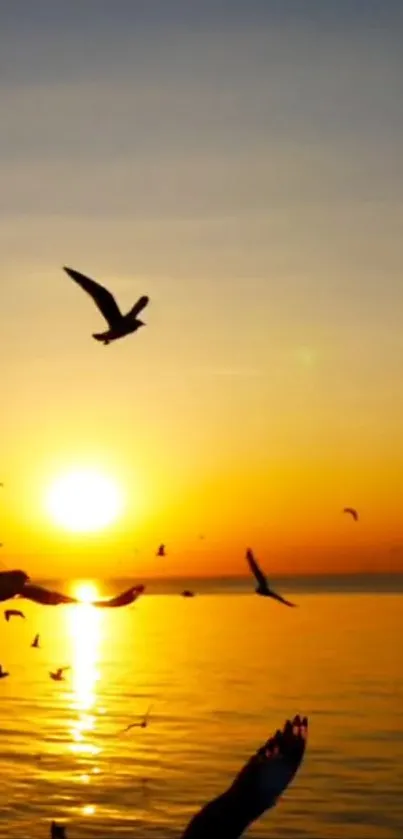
[[245, 173]]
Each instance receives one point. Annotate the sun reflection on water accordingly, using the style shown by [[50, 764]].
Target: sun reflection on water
[[84, 625]]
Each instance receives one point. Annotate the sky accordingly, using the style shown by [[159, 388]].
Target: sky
[[241, 164]]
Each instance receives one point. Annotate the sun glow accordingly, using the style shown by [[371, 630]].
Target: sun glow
[[84, 500]]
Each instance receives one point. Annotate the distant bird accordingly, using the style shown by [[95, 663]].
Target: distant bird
[[13, 613], [119, 325], [263, 585], [161, 551], [35, 642], [3, 673], [140, 724], [187, 593], [57, 831], [58, 675], [352, 512]]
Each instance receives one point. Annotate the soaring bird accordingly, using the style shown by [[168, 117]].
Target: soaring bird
[[351, 512], [141, 723], [263, 587], [42, 595], [3, 673], [57, 676], [161, 551], [35, 642], [13, 613], [119, 325]]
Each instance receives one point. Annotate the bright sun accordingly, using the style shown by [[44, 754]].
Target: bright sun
[[84, 500]]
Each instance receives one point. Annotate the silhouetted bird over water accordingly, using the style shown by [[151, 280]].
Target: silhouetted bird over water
[[3, 673], [119, 324], [263, 587], [161, 551], [35, 642], [58, 675], [141, 723]]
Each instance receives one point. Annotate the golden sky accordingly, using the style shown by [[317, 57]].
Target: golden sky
[[240, 164]]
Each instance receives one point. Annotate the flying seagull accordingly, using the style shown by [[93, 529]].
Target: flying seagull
[[3, 673], [13, 613], [17, 584], [57, 676], [351, 512], [35, 642], [55, 598], [263, 587], [161, 551], [119, 325], [141, 724]]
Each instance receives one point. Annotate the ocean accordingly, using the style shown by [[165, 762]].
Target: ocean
[[222, 671]]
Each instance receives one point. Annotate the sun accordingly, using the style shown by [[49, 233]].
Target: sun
[[84, 500]]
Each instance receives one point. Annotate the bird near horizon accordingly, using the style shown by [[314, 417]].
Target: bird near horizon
[[17, 584], [263, 587], [57, 675], [35, 642], [13, 613], [119, 325], [140, 723], [188, 593], [161, 551], [351, 511], [3, 673]]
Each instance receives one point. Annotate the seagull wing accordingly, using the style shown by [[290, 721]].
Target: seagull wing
[[280, 598], [123, 599], [258, 785], [139, 306], [254, 567], [44, 596], [101, 296]]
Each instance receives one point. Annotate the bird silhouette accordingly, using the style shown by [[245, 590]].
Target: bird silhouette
[[351, 512], [188, 593], [46, 597], [140, 723], [35, 642], [161, 551], [57, 676], [3, 673], [263, 587], [13, 613], [119, 324]]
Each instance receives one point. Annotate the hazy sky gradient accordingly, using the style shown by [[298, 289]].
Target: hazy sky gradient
[[241, 164]]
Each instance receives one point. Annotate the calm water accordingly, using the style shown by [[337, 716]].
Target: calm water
[[221, 671]]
